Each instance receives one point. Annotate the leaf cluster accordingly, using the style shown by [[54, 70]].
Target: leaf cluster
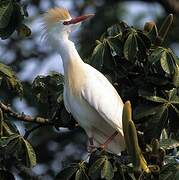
[[12, 14], [48, 88], [151, 163], [100, 166], [14, 148], [144, 72], [106, 166], [8, 79]]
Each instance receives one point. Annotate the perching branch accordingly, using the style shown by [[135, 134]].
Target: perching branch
[[24, 117], [54, 121]]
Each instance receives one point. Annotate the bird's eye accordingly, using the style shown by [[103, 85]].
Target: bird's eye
[[66, 23]]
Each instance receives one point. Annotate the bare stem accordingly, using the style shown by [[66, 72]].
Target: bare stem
[[24, 117]]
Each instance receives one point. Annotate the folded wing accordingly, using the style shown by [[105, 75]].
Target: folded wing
[[99, 93]]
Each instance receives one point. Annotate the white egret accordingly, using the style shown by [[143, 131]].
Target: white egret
[[88, 95]]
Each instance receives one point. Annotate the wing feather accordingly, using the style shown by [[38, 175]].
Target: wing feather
[[99, 93]]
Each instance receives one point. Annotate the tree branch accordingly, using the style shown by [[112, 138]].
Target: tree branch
[[24, 117]]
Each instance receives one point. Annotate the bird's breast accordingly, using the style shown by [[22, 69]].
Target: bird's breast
[[90, 120], [78, 108], [87, 117]]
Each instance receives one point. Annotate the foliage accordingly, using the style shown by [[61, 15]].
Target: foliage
[[142, 70], [151, 163], [134, 58], [11, 18], [48, 86], [8, 78], [13, 147]]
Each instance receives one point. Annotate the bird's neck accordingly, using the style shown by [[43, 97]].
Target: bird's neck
[[72, 62]]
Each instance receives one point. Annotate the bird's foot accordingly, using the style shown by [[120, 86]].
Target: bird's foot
[[91, 148]]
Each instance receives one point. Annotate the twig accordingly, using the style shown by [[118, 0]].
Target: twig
[[24, 117]]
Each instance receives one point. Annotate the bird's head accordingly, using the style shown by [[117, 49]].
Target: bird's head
[[59, 23]]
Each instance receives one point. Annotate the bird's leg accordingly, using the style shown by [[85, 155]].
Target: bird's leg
[[91, 146], [105, 144], [91, 141]]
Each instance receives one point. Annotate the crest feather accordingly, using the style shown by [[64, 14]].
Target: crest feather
[[55, 15]]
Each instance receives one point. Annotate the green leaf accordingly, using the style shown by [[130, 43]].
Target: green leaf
[[23, 31], [102, 58], [10, 78], [144, 40], [136, 46], [165, 27], [155, 55], [173, 96], [167, 63], [6, 9], [143, 44], [159, 116], [114, 30], [4, 141], [130, 47], [107, 171], [13, 145], [176, 76], [108, 60], [15, 20], [48, 86], [115, 45], [155, 99], [6, 70], [30, 154], [16, 146], [168, 171], [97, 60], [81, 175], [153, 32], [67, 173], [156, 123], [165, 57], [95, 169], [9, 128], [168, 144]]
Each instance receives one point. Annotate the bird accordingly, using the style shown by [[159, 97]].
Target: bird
[[88, 95]]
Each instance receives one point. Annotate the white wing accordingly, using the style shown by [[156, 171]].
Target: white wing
[[65, 100], [102, 96]]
